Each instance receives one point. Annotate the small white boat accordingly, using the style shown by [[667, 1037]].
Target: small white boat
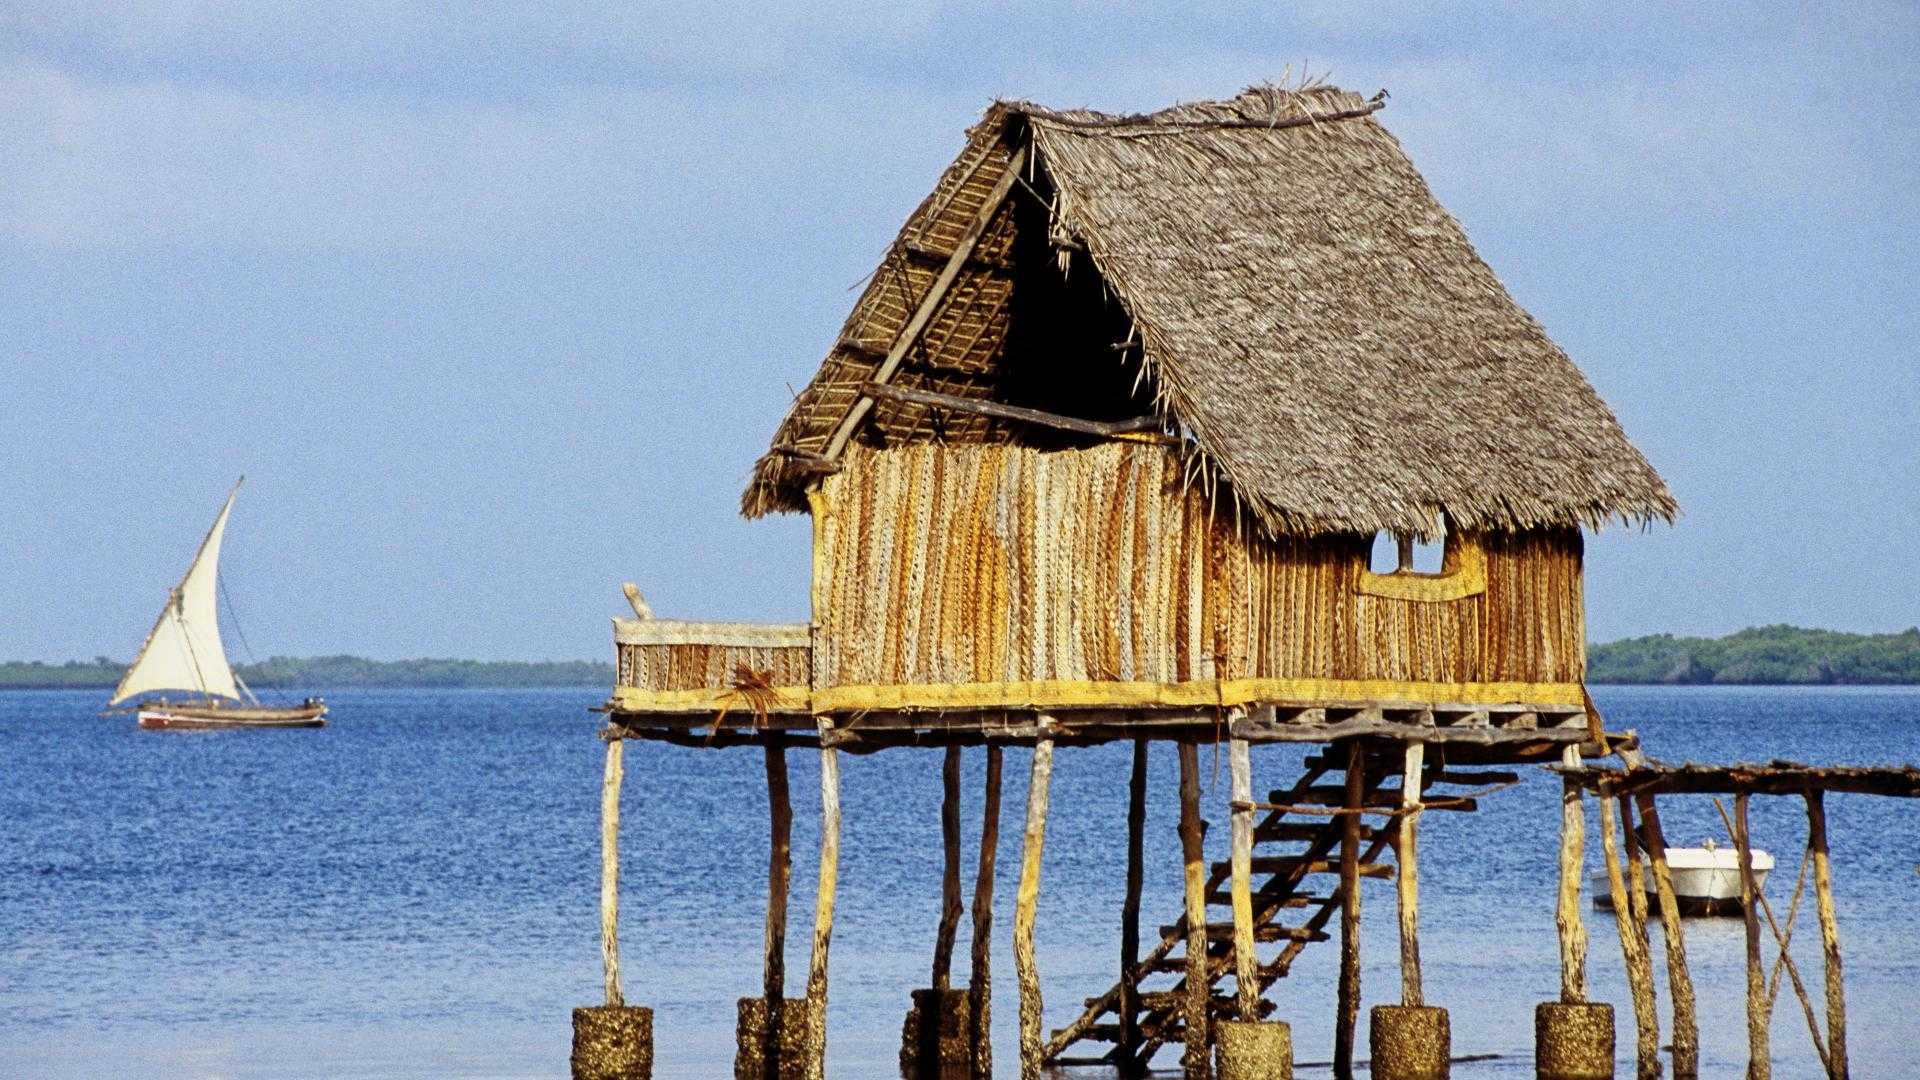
[[1706, 880]]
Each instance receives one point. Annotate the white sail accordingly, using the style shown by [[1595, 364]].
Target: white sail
[[183, 652]]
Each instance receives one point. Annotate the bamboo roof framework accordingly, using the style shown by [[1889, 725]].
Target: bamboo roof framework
[[1291, 300]]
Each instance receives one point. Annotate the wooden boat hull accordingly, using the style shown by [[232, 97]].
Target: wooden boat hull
[[159, 717]]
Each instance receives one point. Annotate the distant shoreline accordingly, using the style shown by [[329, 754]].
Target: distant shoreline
[[1760, 656], [333, 673]]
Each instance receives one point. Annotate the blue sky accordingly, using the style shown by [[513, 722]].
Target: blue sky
[[496, 307]]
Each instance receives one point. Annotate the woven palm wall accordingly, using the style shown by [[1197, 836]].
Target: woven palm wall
[[1011, 575]]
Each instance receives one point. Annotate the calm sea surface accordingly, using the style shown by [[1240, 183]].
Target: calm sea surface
[[412, 891]]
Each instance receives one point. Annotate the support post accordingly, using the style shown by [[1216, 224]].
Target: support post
[[1572, 1037], [823, 897], [610, 871], [1246, 979], [1027, 900], [1566, 915], [1759, 1054], [1347, 1005], [1639, 966], [980, 983], [779, 872], [1406, 846], [950, 879], [612, 1041], [1829, 935], [1686, 1026], [1199, 987], [1129, 1045]]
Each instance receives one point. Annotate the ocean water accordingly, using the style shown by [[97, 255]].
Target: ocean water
[[412, 892]]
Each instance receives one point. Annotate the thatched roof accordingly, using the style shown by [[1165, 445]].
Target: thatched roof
[[1308, 318]]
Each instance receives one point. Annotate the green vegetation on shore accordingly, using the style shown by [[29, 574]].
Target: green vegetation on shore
[[1760, 655], [331, 672]]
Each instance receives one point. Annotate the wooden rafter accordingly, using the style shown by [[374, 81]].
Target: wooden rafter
[[930, 303]]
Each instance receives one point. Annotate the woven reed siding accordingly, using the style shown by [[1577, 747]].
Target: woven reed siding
[[707, 667], [994, 564]]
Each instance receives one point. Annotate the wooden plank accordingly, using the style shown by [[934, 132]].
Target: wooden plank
[[1836, 990], [1141, 425], [1245, 967], [1198, 984], [610, 873], [980, 984], [950, 908], [930, 303], [1026, 903]]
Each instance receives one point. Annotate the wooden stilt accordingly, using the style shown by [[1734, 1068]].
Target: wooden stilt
[[950, 881], [1566, 915], [1198, 986], [1129, 1045], [1829, 935], [1406, 847], [1347, 1017], [1631, 852], [1686, 1026], [610, 872], [779, 872], [1639, 965], [1759, 1055], [823, 898], [1026, 903], [1246, 979], [980, 983]]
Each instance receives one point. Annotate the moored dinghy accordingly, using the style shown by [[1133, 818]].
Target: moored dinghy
[[184, 652], [1706, 880]]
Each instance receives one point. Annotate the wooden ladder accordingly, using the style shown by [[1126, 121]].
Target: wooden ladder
[[1288, 850]]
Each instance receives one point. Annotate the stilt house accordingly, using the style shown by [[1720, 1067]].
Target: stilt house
[[1104, 451]]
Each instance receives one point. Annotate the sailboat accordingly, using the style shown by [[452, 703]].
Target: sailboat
[[183, 653]]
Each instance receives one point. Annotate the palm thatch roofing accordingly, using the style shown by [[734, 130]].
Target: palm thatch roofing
[[1282, 290]]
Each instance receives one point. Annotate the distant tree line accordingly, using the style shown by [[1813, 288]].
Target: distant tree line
[[1761, 655], [331, 672]]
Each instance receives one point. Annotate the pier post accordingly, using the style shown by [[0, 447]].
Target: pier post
[[612, 1041], [1686, 1027], [1759, 1016], [1129, 1046], [1572, 1037], [610, 870], [1199, 988], [1246, 979], [771, 1032], [1411, 1040], [1639, 965], [1347, 1004], [1246, 1047], [980, 982], [1027, 901], [935, 1039], [1829, 935], [823, 902]]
